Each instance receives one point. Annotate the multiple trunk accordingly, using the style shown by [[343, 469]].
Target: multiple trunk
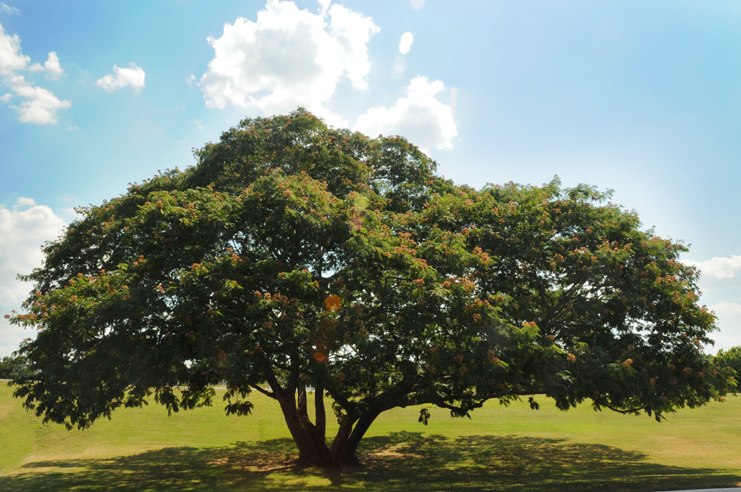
[[310, 437]]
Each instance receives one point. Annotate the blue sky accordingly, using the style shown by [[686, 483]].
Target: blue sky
[[640, 97]]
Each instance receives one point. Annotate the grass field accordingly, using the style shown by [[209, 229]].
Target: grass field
[[501, 448]]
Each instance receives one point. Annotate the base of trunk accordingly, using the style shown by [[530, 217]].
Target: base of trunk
[[329, 461]]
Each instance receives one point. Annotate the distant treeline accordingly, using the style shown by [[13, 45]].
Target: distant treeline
[[12, 367], [730, 358]]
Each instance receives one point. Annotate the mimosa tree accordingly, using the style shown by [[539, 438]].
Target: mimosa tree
[[293, 256]]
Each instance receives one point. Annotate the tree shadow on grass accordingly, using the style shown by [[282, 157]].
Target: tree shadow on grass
[[398, 461]]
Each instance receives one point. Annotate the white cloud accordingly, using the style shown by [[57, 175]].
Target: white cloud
[[324, 6], [191, 80], [406, 43], [719, 268], [51, 66], [7, 9], [11, 58], [729, 321], [197, 123], [419, 117], [22, 232], [726, 309], [132, 76], [25, 202], [40, 105], [288, 58], [417, 4]]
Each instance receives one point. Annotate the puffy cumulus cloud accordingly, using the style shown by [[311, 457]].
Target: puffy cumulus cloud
[[25, 202], [11, 58], [131, 76], [729, 321], [39, 105], [288, 58], [718, 268], [727, 309], [23, 229], [419, 117], [51, 66]]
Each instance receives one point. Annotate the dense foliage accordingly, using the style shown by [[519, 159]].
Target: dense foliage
[[14, 366], [296, 256], [729, 358]]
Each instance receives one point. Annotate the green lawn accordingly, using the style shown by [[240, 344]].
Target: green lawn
[[500, 448]]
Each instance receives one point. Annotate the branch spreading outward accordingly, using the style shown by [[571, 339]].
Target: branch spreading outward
[[297, 256]]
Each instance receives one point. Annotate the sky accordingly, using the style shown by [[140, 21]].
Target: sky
[[643, 98]]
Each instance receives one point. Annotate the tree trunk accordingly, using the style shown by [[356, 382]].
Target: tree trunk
[[316, 433], [321, 416], [358, 432], [338, 455], [310, 441], [302, 435], [311, 438]]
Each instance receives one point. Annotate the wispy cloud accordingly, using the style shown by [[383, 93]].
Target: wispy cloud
[[7, 9]]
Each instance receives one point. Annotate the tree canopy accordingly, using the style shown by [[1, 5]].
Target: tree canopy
[[730, 358], [294, 256]]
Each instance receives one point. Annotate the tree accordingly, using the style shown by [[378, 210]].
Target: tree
[[730, 358], [14, 366], [297, 256]]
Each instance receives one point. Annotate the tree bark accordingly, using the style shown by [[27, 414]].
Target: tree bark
[[304, 441], [359, 431], [310, 438], [338, 456], [297, 420], [317, 434], [321, 416]]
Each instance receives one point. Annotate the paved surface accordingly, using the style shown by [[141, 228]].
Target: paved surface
[[733, 489]]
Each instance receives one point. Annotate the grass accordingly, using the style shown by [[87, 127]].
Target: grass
[[501, 448]]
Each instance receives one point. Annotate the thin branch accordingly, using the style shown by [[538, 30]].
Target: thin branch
[[624, 412], [266, 392]]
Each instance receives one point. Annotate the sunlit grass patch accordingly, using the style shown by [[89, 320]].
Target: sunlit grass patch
[[500, 448]]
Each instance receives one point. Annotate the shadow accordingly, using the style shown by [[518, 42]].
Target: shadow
[[399, 461]]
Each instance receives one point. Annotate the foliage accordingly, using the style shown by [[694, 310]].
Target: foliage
[[14, 366], [295, 255], [729, 358]]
